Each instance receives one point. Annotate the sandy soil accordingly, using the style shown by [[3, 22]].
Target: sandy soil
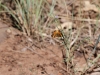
[[16, 58]]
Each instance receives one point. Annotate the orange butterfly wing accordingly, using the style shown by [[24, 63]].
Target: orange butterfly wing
[[56, 33]]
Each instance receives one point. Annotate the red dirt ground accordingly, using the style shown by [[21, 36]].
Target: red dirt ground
[[17, 59]]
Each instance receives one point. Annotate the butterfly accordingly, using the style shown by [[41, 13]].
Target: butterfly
[[56, 33]]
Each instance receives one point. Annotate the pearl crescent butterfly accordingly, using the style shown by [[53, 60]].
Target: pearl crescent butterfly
[[56, 33]]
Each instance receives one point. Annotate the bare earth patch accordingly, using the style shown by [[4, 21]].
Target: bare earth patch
[[16, 59]]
